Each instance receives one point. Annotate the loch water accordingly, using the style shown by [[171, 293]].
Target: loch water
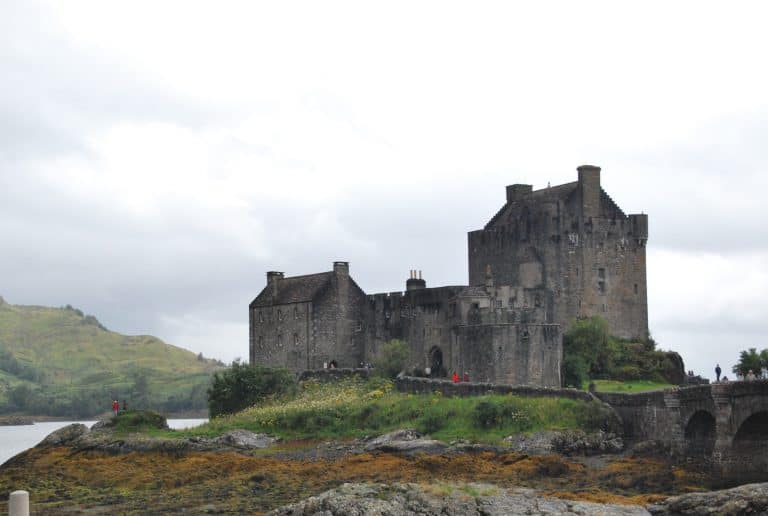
[[16, 439]]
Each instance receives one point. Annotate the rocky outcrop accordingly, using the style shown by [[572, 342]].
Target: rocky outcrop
[[569, 442], [66, 435], [743, 500], [444, 499], [404, 441]]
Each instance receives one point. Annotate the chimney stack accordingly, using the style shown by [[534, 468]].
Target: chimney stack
[[273, 278], [415, 282]]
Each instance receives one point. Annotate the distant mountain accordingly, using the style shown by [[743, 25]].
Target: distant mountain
[[60, 361]]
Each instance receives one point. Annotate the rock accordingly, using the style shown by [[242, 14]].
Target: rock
[[742, 500], [443, 499], [578, 442], [103, 423], [66, 435], [651, 447], [536, 444], [244, 439], [569, 442], [404, 441]]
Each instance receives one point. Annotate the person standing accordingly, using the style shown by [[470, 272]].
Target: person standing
[[455, 377], [466, 376], [115, 406], [718, 371]]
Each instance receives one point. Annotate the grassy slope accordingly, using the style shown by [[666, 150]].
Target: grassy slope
[[629, 386], [352, 409], [75, 354]]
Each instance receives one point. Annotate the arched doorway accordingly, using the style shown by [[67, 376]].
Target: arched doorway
[[437, 369], [700, 434]]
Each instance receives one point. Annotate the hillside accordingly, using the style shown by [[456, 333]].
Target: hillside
[[59, 361]]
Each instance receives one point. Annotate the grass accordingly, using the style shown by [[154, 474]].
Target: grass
[[628, 386], [353, 408]]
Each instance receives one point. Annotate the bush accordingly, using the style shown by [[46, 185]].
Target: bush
[[392, 358], [243, 385]]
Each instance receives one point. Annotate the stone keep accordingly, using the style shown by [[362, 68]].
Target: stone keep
[[574, 241], [546, 257]]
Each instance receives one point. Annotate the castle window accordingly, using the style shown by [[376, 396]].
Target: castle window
[[261, 317], [295, 312], [359, 327], [295, 339], [601, 286], [601, 273], [497, 303], [577, 271], [279, 315], [635, 288], [261, 341], [605, 308], [525, 336], [280, 341]]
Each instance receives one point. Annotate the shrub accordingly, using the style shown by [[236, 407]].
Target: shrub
[[392, 358], [243, 385]]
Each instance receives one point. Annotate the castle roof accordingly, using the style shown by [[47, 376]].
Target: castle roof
[[296, 289], [548, 194], [553, 194]]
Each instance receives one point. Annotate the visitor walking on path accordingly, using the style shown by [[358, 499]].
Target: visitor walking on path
[[466, 376], [718, 371], [455, 377], [115, 406]]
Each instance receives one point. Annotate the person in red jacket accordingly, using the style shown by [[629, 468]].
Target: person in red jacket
[[466, 376], [115, 407], [455, 377]]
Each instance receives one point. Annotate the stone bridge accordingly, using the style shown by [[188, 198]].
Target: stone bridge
[[724, 424]]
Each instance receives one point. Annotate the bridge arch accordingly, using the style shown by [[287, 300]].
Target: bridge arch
[[700, 434], [752, 434]]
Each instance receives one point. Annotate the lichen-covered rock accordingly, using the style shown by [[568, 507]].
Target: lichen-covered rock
[[244, 439], [404, 441], [66, 435], [578, 442], [443, 499], [748, 499], [569, 442]]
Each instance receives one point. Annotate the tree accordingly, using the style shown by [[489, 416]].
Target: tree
[[20, 395], [588, 350], [392, 358], [751, 360], [241, 386]]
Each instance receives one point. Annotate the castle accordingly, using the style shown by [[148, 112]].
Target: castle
[[546, 257]]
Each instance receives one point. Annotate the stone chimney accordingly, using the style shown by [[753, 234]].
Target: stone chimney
[[415, 282], [273, 278], [589, 185], [341, 268]]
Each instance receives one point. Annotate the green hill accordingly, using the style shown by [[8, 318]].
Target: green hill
[[59, 361]]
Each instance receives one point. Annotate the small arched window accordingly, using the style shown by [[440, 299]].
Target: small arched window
[[295, 339], [261, 317], [295, 312], [280, 341], [279, 315]]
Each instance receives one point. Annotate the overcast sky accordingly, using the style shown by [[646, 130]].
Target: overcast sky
[[156, 158]]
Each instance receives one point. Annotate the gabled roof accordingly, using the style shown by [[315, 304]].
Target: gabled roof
[[548, 194], [296, 289]]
